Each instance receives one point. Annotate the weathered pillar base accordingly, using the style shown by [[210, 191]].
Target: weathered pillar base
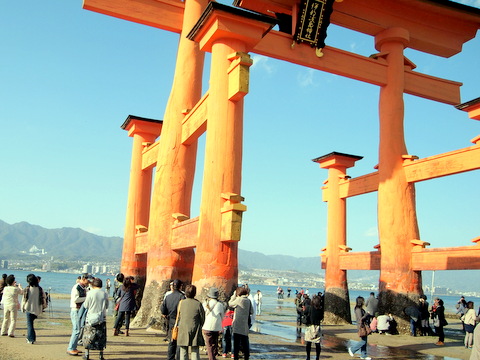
[[391, 302], [149, 314], [337, 307], [225, 288], [140, 280]]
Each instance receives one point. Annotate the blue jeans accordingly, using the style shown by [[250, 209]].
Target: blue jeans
[[227, 340], [119, 321], [360, 345], [31, 335], [413, 327], [75, 330]]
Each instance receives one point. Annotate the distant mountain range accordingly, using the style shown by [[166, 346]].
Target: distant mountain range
[[72, 243], [68, 243]]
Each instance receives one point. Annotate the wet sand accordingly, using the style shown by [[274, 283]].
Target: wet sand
[[274, 336]]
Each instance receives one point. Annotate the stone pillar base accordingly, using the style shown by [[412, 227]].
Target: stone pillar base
[[337, 307], [394, 303], [149, 314]]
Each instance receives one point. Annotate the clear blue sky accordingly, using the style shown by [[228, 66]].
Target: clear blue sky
[[70, 77]]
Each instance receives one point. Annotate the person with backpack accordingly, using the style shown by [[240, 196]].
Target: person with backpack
[[212, 326]]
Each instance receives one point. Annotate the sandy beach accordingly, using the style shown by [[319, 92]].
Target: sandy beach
[[53, 333]]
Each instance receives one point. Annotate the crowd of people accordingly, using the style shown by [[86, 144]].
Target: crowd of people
[[218, 327], [88, 306], [192, 325]]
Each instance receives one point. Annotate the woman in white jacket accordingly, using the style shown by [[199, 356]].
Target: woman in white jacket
[[33, 303], [10, 306], [469, 322], [214, 311]]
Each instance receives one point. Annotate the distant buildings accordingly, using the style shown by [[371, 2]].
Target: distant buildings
[[99, 269], [4, 264], [87, 269], [34, 251]]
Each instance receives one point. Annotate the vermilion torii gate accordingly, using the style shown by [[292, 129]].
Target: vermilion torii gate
[[162, 242]]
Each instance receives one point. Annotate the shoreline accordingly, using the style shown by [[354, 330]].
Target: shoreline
[[274, 338]]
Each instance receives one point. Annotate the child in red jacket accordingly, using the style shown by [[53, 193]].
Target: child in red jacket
[[227, 338]]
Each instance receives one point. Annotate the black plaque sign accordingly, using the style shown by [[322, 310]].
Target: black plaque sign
[[313, 20]]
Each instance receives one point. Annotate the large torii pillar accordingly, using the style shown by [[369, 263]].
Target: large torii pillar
[[397, 221], [144, 132], [229, 34], [174, 176], [337, 300]]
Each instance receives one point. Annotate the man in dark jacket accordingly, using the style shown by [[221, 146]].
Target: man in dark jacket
[[169, 310]]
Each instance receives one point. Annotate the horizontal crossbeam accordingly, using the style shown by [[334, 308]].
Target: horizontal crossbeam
[[168, 15], [448, 258], [450, 163]]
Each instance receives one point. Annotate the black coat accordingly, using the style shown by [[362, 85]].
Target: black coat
[[169, 307]]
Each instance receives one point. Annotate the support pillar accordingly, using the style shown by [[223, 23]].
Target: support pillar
[[144, 132], [174, 176], [337, 299], [216, 262], [397, 221], [228, 34]]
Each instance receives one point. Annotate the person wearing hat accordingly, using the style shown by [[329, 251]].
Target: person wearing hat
[[214, 311], [169, 310]]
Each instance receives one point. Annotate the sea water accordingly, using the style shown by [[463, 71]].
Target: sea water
[[62, 283]]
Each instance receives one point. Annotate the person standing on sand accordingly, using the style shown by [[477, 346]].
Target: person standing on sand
[[424, 316], [361, 316], [372, 304], [227, 336], [77, 297], [212, 326], [461, 310], [118, 283], [95, 333], [126, 304], [33, 303], [439, 321], [313, 334], [469, 320], [169, 311], [10, 306], [240, 327], [191, 318]]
